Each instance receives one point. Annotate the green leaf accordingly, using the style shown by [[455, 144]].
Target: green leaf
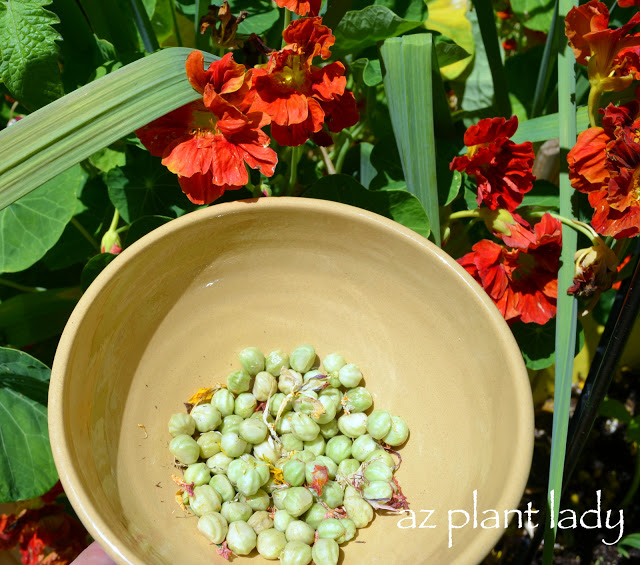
[[26, 464], [74, 127], [143, 226], [114, 22], [33, 317], [408, 86], [28, 52], [633, 431], [33, 224], [474, 87], [632, 540], [108, 158], [449, 182], [145, 187], [367, 70], [386, 160], [399, 205], [449, 52], [94, 267], [93, 216], [537, 343], [612, 408], [521, 81], [82, 52], [364, 28], [407, 9], [547, 127], [449, 18], [263, 15], [544, 194], [534, 14]]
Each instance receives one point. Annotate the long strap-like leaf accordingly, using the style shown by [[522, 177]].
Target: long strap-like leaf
[[65, 132], [409, 88]]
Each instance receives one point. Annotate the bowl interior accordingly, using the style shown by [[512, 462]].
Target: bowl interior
[[171, 313]]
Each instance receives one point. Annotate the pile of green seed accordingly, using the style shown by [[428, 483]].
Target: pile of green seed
[[285, 459]]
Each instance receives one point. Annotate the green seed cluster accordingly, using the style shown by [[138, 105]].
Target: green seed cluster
[[285, 459]]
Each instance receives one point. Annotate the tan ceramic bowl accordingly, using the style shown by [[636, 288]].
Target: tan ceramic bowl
[[171, 313]]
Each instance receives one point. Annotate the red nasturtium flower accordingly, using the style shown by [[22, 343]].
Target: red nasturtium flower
[[605, 164], [301, 7], [299, 97], [611, 55], [628, 3], [207, 143], [523, 283], [501, 168]]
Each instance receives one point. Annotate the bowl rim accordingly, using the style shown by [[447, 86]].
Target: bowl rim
[[62, 453]]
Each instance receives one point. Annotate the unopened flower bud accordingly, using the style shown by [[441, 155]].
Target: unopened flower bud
[[111, 243]]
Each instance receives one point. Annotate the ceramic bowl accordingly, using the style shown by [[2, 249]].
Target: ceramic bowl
[[171, 313]]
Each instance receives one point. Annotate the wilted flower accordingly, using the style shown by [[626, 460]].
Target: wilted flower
[[501, 168], [223, 25], [595, 271], [523, 283]]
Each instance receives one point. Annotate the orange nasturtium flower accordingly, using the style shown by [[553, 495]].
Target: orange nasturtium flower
[[299, 97], [611, 55], [605, 164], [301, 7], [208, 142]]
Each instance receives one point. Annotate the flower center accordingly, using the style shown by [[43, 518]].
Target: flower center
[[526, 265], [203, 122], [293, 75]]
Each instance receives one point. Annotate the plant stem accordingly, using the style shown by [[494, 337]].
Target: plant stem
[[327, 161], [577, 225], [296, 152], [85, 233], [464, 214], [114, 220], [287, 21], [593, 105], [20, 287], [342, 154]]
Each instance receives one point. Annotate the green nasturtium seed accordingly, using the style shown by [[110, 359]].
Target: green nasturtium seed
[[185, 449], [325, 552], [252, 360], [198, 474], [270, 543], [181, 424], [260, 521], [297, 501], [379, 423], [239, 381], [276, 361], [207, 417], [214, 526], [398, 433], [241, 538], [302, 358], [295, 553], [224, 401]]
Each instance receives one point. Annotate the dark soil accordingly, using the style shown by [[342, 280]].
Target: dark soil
[[607, 465]]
